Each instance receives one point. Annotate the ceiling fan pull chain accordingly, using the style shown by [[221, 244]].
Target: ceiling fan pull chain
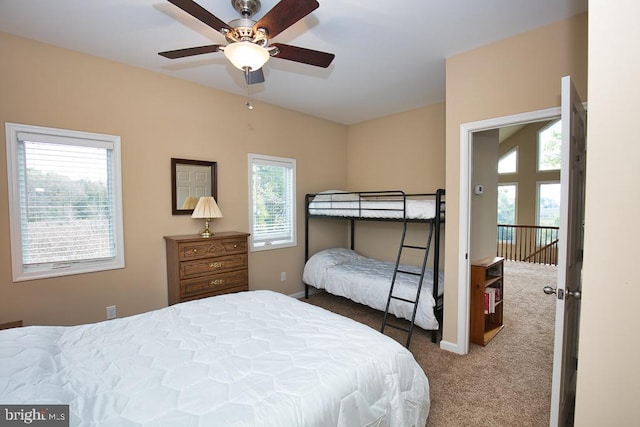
[[248, 103]]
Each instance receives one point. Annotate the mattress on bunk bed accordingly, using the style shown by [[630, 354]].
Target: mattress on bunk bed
[[364, 280], [352, 204], [244, 359]]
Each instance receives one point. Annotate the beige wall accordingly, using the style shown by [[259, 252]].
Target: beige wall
[[515, 75], [158, 118], [399, 152], [608, 372], [527, 177], [484, 206]]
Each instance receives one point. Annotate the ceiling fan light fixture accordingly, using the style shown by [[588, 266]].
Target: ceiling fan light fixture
[[245, 55]]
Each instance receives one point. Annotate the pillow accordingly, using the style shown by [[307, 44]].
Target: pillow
[[317, 265], [336, 196], [335, 256]]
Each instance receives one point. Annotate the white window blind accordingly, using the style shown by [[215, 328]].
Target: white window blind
[[65, 202], [272, 202]]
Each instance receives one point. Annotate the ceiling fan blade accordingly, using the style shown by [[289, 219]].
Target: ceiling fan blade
[[198, 12], [303, 55], [190, 51], [254, 77], [284, 14]]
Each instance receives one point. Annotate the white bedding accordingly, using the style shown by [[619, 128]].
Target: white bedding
[[346, 204], [367, 281], [248, 359]]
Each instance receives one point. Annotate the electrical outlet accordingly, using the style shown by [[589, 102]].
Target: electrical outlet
[[283, 276], [111, 312]]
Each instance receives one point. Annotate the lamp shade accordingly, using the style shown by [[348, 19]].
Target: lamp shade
[[189, 203], [246, 55], [207, 208]]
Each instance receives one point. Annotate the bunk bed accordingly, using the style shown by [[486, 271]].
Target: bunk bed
[[406, 291]]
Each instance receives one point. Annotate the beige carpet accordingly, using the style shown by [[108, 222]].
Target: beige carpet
[[506, 383]]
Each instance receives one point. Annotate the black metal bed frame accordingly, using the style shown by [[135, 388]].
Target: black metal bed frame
[[337, 203]]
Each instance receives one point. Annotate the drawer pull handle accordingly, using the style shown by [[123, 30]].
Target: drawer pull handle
[[217, 282], [235, 246], [216, 265], [195, 250]]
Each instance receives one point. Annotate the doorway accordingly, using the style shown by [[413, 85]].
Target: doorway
[[467, 131]]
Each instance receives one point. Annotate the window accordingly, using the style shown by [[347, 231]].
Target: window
[[509, 162], [549, 146], [507, 202], [65, 202], [507, 196], [272, 211], [548, 204]]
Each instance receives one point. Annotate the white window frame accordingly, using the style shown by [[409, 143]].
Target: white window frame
[[538, 184], [515, 211], [257, 244], [517, 151], [21, 272], [542, 129]]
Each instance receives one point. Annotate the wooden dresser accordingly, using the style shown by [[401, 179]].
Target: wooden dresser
[[199, 267], [9, 325]]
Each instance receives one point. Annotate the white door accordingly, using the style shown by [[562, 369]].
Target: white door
[[569, 285]]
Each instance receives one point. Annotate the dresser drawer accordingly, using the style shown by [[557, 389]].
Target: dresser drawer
[[207, 266], [213, 285], [207, 248]]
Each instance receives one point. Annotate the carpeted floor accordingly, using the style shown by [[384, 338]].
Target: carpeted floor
[[506, 383]]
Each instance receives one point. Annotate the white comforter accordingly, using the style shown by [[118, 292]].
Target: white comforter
[[249, 359], [367, 281]]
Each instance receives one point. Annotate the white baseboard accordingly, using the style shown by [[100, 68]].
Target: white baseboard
[[452, 347]]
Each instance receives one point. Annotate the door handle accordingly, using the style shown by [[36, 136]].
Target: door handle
[[550, 291], [575, 294]]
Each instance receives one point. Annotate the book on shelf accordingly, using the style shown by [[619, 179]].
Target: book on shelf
[[486, 302], [492, 296]]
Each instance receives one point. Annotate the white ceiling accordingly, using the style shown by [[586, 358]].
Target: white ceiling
[[390, 56]]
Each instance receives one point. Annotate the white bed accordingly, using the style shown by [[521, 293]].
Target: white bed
[[346, 273], [246, 359], [387, 205]]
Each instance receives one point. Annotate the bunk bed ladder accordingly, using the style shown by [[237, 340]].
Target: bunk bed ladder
[[398, 270]]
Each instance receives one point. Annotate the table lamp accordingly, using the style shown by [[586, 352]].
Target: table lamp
[[208, 209]]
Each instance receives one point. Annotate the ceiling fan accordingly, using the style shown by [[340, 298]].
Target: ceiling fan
[[248, 45]]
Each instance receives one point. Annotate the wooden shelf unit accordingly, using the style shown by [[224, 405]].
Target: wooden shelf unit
[[486, 273]]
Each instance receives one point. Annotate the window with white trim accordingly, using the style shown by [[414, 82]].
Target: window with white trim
[[508, 163], [507, 210], [65, 201], [507, 202], [549, 146], [272, 208], [548, 206]]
